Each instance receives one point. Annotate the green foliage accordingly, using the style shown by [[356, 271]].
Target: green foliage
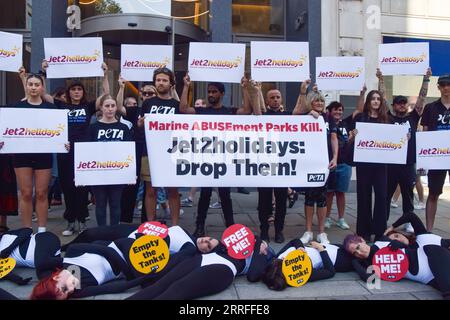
[[107, 7]]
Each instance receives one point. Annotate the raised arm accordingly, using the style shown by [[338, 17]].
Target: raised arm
[[423, 92], [300, 106], [119, 100], [184, 104], [250, 98], [381, 85], [105, 86], [45, 96], [23, 79], [262, 103], [360, 104]]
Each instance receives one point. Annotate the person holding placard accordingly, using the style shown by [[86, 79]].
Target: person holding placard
[[371, 175], [322, 266], [428, 265], [405, 174], [108, 128], [163, 103], [79, 115], [216, 92], [314, 104], [436, 117], [35, 167]]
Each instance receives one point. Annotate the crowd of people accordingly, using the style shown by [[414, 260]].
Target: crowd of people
[[25, 181]]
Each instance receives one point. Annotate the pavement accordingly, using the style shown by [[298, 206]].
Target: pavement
[[343, 286]]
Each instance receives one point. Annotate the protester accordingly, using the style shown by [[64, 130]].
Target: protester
[[436, 117], [8, 191]]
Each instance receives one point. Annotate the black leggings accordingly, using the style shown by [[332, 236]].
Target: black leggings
[[265, 207], [188, 280], [45, 261], [106, 233], [225, 200], [439, 262]]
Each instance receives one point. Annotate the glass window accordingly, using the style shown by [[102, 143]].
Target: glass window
[[13, 14], [258, 17]]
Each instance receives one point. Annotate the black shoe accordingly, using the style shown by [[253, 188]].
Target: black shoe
[[264, 235], [243, 190], [199, 231], [293, 197], [279, 238]]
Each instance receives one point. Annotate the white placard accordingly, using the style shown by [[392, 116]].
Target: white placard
[[407, 58], [105, 163], [340, 73], [139, 61], [74, 57], [226, 151], [10, 51], [280, 61], [220, 62], [433, 150], [32, 130], [381, 143]]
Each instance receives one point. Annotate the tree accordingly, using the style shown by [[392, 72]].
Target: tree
[[107, 7]]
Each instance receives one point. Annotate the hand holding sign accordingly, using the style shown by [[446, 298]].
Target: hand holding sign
[[392, 265], [239, 241], [297, 268]]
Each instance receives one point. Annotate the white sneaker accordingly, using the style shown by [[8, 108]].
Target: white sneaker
[[419, 206], [82, 226], [34, 217], [187, 202], [215, 205], [181, 212], [342, 224], [409, 228], [307, 237], [69, 230], [394, 204], [328, 223], [322, 238]]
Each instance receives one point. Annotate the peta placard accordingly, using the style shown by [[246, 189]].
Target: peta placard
[[381, 143], [340, 73], [408, 58], [10, 51], [392, 265], [105, 163], [239, 240], [74, 57], [250, 151], [221, 62], [280, 61], [433, 150], [33, 130], [139, 61], [297, 268], [154, 228]]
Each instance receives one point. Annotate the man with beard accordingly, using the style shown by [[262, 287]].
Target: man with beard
[[216, 91], [163, 103]]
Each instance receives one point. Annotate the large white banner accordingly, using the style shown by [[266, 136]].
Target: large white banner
[[30, 130], [220, 62], [381, 143], [340, 73], [433, 150], [105, 163], [250, 151], [280, 61], [408, 58], [139, 61], [10, 51], [74, 57]]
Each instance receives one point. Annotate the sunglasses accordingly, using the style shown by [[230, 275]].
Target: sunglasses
[[148, 93]]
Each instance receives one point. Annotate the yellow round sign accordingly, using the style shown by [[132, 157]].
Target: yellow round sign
[[149, 253], [297, 268], [6, 266]]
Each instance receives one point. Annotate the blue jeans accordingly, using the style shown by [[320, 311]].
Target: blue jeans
[[104, 195]]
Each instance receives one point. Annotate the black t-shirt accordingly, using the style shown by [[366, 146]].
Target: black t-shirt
[[116, 131], [343, 130], [411, 119], [271, 112], [156, 105], [78, 117], [330, 124], [26, 104], [436, 116], [212, 111]]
